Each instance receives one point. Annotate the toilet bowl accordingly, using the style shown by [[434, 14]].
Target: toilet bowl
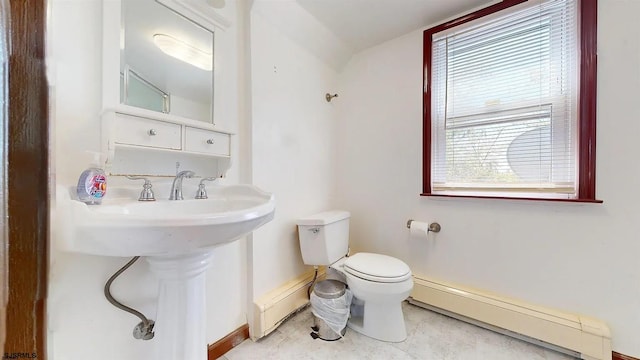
[[379, 283]]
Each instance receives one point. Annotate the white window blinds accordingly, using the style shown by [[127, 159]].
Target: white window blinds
[[504, 95]]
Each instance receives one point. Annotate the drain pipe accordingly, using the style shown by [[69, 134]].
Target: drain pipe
[[144, 330]]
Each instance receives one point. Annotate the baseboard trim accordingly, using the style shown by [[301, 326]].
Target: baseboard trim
[[618, 356], [571, 333], [271, 309], [228, 342]]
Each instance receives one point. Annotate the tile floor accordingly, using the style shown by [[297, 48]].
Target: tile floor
[[431, 336]]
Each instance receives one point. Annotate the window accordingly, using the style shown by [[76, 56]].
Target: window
[[509, 102]]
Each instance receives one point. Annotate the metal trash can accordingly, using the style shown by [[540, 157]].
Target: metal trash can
[[330, 301]]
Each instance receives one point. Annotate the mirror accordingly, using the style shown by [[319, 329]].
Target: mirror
[[166, 61]]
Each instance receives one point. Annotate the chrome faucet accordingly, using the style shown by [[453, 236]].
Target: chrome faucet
[[176, 187]]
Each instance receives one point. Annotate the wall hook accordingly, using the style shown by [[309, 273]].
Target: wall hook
[[329, 97]]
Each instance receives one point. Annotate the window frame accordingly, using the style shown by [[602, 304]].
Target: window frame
[[586, 127]]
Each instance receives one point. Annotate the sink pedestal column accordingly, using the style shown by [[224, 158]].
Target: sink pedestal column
[[180, 320]]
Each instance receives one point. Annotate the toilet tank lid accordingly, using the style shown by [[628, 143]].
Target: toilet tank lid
[[324, 218]]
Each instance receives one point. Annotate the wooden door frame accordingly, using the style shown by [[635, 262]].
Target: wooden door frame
[[28, 181], [4, 124]]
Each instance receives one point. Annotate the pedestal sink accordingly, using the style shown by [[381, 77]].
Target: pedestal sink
[[176, 238]]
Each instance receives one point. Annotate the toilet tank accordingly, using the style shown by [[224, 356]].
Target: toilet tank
[[324, 237]]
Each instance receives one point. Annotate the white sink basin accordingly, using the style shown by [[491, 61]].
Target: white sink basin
[[176, 237], [123, 226]]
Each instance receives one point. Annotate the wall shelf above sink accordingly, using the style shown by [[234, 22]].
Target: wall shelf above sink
[[142, 142]]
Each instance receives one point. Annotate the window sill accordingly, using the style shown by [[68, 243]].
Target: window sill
[[593, 201]]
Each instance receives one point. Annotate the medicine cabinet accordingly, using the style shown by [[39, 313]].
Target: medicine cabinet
[[158, 88]]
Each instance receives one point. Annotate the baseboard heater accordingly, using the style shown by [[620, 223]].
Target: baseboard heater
[[279, 304], [577, 335]]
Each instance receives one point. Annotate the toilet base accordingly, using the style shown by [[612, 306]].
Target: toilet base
[[381, 321]]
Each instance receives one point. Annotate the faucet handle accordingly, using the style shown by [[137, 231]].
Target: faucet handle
[[202, 192], [146, 194]]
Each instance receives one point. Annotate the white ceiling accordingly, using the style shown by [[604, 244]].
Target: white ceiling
[[364, 23], [335, 30]]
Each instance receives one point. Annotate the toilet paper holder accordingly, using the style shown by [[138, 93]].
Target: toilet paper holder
[[433, 227]]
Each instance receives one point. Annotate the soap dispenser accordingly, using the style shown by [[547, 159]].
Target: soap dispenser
[[92, 184]]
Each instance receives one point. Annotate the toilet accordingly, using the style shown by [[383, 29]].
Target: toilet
[[379, 283]]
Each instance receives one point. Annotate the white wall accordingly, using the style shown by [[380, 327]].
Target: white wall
[[293, 145], [81, 323], [578, 258]]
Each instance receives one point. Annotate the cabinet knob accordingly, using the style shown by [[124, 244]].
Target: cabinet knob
[[210, 141], [152, 132]]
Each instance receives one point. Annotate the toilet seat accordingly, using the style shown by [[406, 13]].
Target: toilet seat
[[377, 268]]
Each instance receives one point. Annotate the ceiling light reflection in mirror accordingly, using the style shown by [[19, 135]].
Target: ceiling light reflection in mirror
[[190, 86], [183, 51]]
